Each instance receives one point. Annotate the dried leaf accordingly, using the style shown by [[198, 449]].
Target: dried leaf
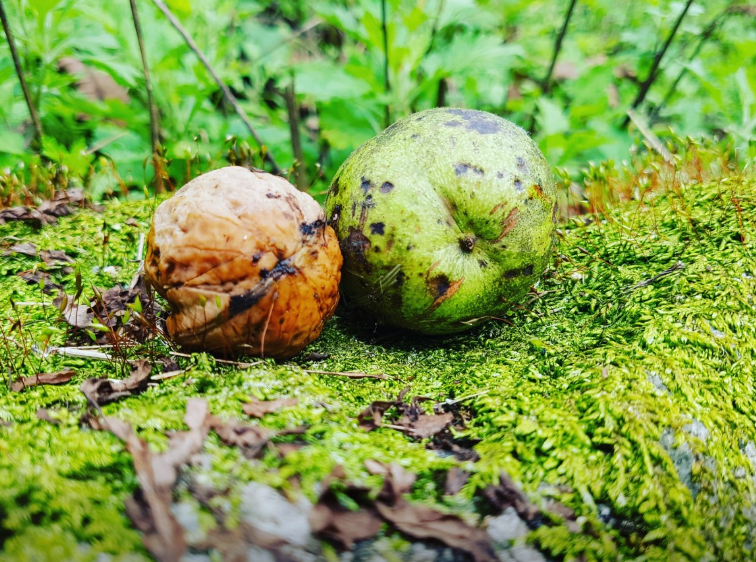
[[330, 519], [45, 415], [35, 277], [456, 478], [250, 438], [25, 248], [60, 377], [93, 83], [54, 257], [103, 391], [507, 494], [428, 426], [150, 508], [258, 408], [423, 522], [565, 70]]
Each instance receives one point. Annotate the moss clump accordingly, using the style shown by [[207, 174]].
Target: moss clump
[[626, 391]]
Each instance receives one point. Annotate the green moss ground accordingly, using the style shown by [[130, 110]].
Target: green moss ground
[[595, 388]]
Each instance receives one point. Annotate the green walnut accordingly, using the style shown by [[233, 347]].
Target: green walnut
[[444, 219]]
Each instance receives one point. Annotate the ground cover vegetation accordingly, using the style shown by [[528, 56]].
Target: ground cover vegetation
[[608, 416], [316, 79]]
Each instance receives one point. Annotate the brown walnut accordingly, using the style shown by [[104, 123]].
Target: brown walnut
[[247, 263]]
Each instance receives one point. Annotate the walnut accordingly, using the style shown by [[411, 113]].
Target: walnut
[[247, 263]]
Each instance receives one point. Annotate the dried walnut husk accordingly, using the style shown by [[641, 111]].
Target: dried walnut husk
[[246, 262]]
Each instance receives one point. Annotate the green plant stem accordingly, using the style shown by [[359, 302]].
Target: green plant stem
[[646, 86], [558, 46], [20, 73], [230, 98], [300, 172], [154, 116], [386, 82], [705, 36]]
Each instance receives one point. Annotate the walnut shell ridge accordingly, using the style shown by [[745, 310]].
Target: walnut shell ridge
[[246, 262]]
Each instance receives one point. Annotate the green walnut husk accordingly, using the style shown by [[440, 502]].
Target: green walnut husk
[[445, 219]]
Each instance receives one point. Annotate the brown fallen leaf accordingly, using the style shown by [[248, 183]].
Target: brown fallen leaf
[[46, 415], [37, 277], [331, 520], [413, 419], [424, 522], [93, 83], [25, 248], [76, 315], [456, 478], [60, 377], [24, 214], [150, 508], [102, 391], [251, 439], [258, 408], [507, 494], [54, 257]]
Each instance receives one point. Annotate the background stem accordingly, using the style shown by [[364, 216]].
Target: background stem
[[230, 98], [154, 117], [300, 171], [386, 82], [646, 86], [20, 73], [558, 47]]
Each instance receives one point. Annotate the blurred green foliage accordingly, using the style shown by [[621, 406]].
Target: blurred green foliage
[[486, 54]]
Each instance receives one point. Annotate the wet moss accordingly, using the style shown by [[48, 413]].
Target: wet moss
[[597, 392]]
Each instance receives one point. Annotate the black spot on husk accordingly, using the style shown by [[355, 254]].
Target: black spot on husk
[[463, 168], [355, 246], [512, 273], [335, 216], [439, 285], [386, 187], [365, 185], [311, 228], [376, 228]]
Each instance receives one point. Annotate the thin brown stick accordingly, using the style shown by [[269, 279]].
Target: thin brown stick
[[386, 82], [241, 364], [20, 73], [300, 171], [154, 117], [349, 374], [558, 47], [654, 141], [267, 323], [230, 98], [652, 74]]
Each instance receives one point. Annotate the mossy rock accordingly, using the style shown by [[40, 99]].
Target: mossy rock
[[625, 390]]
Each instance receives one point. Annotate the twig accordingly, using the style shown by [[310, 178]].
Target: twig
[[20, 73], [81, 353], [650, 137], [448, 402], [558, 47], [307, 27], [230, 98], [677, 267], [646, 86], [154, 117], [349, 374], [105, 142], [300, 171], [241, 364], [267, 323], [386, 82], [705, 36], [168, 375]]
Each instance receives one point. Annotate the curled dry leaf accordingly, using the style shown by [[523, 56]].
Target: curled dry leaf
[[25, 248], [414, 421], [507, 494], [60, 377], [251, 439], [258, 408], [103, 391], [150, 508], [55, 257], [36, 277], [331, 520]]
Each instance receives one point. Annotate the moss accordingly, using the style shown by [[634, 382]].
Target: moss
[[597, 392]]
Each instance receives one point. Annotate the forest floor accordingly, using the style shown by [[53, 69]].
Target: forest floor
[[610, 416]]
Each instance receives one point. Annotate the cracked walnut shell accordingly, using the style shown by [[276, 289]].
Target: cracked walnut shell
[[246, 262]]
